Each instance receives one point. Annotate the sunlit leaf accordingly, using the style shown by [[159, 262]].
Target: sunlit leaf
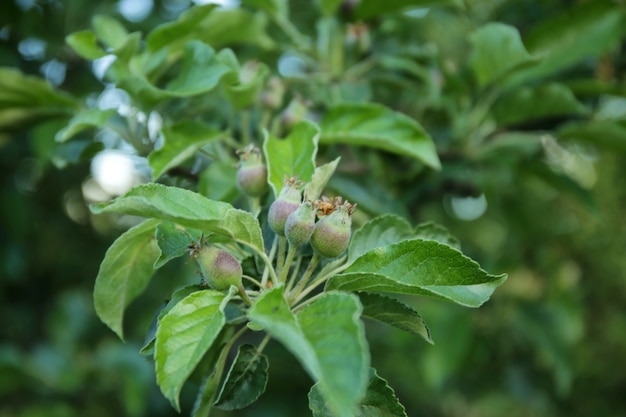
[[124, 273], [313, 189], [335, 355], [376, 126], [173, 241], [188, 209], [380, 231], [291, 156], [181, 141], [436, 232], [180, 30], [85, 44], [84, 120], [109, 30], [183, 336], [167, 203], [419, 267]]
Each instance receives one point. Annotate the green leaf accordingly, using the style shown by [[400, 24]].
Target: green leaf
[[245, 381], [181, 141], [291, 156], [563, 183], [245, 93], [436, 232], [126, 50], [179, 294], [588, 29], [496, 50], [380, 231], [328, 7], [329, 51], [173, 241], [313, 189], [420, 267], [219, 181], [184, 335], [394, 313], [200, 72], [602, 134], [211, 384], [379, 401], [368, 9], [188, 209], [512, 144], [179, 31], [378, 127], [236, 26], [109, 30], [167, 203], [84, 120], [85, 44], [273, 7], [372, 197], [215, 27], [327, 338], [243, 227], [124, 273], [24, 99], [536, 103]]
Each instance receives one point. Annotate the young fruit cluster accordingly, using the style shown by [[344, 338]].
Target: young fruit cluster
[[294, 219]]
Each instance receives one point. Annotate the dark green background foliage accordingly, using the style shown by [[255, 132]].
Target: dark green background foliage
[[526, 104]]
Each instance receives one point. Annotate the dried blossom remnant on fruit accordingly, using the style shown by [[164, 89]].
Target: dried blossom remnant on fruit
[[326, 206], [332, 233], [252, 173], [287, 202]]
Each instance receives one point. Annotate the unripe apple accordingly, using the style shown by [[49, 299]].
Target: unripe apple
[[300, 224], [219, 268], [332, 233], [287, 202], [252, 173]]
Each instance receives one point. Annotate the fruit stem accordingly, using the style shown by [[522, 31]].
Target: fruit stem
[[253, 280], [244, 295], [320, 280], [255, 205], [294, 274], [245, 127], [280, 259], [291, 253], [267, 267], [315, 260]]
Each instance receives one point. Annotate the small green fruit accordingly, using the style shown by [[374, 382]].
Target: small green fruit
[[287, 202], [219, 268], [252, 173], [300, 224], [331, 235]]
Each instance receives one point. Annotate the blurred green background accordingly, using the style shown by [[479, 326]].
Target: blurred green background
[[550, 214]]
